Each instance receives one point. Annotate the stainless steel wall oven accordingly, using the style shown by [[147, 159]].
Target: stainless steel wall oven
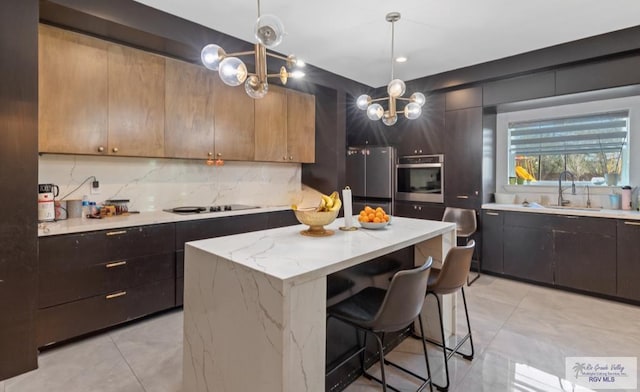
[[420, 178]]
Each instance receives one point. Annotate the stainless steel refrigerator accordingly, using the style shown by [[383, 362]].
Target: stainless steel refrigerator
[[370, 173]]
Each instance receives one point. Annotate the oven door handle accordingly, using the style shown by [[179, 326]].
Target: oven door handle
[[417, 165]]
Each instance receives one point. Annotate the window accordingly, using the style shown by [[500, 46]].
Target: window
[[592, 147]]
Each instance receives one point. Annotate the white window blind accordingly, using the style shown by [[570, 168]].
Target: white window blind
[[595, 133]]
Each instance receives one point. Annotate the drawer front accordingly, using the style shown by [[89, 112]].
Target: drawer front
[[74, 281], [106, 245], [73, 319]]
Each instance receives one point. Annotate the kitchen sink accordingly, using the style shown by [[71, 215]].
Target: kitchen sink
[[570, 207]]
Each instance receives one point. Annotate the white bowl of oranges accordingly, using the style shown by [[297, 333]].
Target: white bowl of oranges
[[371, 218]]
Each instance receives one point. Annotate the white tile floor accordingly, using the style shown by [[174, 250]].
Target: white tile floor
[[522, 334]]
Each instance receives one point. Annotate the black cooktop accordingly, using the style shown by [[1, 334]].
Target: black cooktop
[[188, 210]]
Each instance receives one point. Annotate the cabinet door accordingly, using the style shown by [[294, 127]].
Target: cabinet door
[[235, 135], [528, 246], [136, 102], [301, 127], [419, 210], [628, 247], [463, 158], [584, 253], [424, 135], [492, 244], [189, 110], [72, 96], [271, 126]]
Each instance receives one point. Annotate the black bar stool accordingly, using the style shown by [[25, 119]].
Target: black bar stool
[[376, 311], [451, 278]]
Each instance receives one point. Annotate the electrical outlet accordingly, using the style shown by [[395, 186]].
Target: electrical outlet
[[95, 188]]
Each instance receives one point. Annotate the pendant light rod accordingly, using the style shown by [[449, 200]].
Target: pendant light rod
[[258, 9], [392, 17]]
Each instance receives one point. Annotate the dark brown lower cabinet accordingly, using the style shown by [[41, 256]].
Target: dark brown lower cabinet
[[628, 250], [593, 255], [584, 251], [93, 280]]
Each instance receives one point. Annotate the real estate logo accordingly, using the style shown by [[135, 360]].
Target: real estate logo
[[603, 372]]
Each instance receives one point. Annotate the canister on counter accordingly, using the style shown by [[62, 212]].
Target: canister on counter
[[74, 208]]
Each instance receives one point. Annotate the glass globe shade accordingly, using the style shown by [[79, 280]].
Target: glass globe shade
[[363, 102], [211, 56], [254, 88], [232, 71], [269, 30], [418, 98], [375, 112], [396, 88], [412, 110], [389, 121]]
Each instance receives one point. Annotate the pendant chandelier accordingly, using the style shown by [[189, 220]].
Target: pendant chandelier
[[396, 89], [269, 32]]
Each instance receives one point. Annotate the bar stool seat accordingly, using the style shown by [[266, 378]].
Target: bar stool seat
[[377, 311]]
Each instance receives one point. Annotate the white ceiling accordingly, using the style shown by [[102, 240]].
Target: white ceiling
[[351, 37]]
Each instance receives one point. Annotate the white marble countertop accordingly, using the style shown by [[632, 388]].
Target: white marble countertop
[[289, 256], [603, 213], [79, 225]]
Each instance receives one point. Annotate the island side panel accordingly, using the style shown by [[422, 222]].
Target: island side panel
[[244, 330], [305, 336], [437, 247]]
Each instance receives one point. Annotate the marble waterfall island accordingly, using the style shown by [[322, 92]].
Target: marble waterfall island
[[255, 303]]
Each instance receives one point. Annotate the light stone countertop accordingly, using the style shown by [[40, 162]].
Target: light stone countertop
[[79, 225], [285, 254], [603, 213]]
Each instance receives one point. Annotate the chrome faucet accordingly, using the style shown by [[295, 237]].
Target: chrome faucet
[[561, 201]]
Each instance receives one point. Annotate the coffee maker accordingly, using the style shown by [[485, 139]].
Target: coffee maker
[[46, 198]]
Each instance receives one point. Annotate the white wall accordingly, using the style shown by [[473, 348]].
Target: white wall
[[156, 184], [549, 193]]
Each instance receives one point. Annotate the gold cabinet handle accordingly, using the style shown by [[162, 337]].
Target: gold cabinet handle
[[493, 213], [219, 154], [116, 264], [116, 295], [116, 232], [210, 154], [632, 223], [115, 149], [101, 149], [284, 158], [290, 158], [462, 197]]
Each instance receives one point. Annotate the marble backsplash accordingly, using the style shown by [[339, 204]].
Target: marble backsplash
[[156, 184]]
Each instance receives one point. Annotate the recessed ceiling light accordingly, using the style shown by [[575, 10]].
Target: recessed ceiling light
[[401, 59]]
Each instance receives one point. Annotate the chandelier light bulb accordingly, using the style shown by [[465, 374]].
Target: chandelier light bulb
[[297, 74], [412, 110], [418, 98], [388, 120], [375, 111], [269, 30], [363, 102], [396, 88], [232, 71], [254, 88], [211, 56]]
